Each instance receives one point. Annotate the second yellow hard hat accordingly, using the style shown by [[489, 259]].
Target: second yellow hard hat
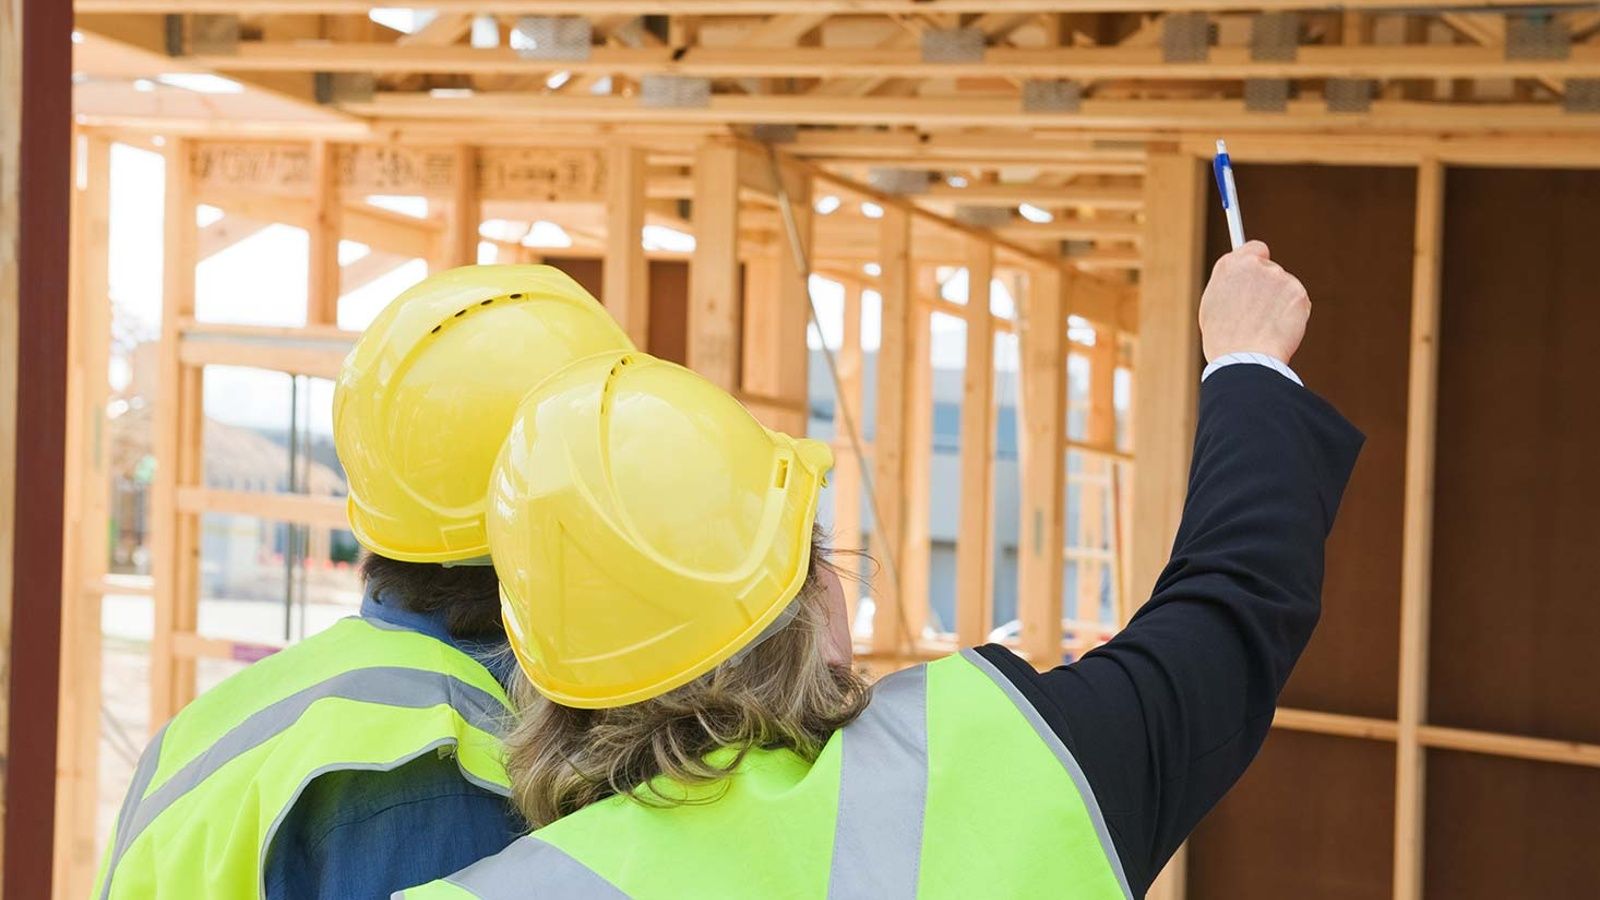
[[424, 400], [645, 527]]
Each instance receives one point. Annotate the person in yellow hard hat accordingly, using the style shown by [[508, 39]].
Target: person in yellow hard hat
[[693, 728], [368, 756]]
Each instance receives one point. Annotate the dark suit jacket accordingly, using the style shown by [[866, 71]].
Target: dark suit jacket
[[1165, 717]]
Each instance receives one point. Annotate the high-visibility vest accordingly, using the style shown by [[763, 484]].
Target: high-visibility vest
[[949, 785], [213, 786]]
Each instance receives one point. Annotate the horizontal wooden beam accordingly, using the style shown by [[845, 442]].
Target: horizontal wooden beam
[[300, 509], [379, 228], [1074, 230], [1102, 258], [1044, 195], [1413, 61], [189, 645], [598, 8], [1441, 737], [296, 351], [1212, 115]]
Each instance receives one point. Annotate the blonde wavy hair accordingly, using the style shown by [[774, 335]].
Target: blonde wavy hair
[[781, 693]]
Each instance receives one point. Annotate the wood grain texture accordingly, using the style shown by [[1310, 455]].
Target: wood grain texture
[[1515, 568], [1311, 819], [1510, 828], [1346, 232]]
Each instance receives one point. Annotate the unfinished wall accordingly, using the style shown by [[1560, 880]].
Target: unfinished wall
[[1516, 564], [1514, 602], [1347, 233], [669, 300]]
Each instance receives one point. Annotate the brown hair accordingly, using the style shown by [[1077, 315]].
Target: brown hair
[[780, 693], [468, 596]]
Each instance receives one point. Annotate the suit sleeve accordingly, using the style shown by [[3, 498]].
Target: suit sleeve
[[1166, 716]]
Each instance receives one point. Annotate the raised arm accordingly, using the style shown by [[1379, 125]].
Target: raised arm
[[1166, 716]]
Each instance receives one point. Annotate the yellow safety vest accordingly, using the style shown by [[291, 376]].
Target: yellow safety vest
[[949, 785], [213, 786]]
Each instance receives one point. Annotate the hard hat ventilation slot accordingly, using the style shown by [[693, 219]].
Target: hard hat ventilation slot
[[487, 302], [436, 329], [781, 480], [460, 313]]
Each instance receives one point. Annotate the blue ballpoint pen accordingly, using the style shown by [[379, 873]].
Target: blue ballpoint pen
[[1223, 167]]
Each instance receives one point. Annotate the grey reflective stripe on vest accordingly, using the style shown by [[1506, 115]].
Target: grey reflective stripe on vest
[[532, 868], [1063, 755], [883, 793], [382, 685]]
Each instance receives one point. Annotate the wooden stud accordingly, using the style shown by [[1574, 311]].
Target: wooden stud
[[1417, 532], [847, 465], [87, 504], [460, 246], [714, 287], [1168, 379], [793, 292], [177, 426], [626, 278], [759, 323], [889, 445], [1041, 333], [974, 565], [1094, 500], [322, 272], [916, 488]]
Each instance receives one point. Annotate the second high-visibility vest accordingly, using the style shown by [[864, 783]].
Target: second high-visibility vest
[[213, 786], [949, 785]]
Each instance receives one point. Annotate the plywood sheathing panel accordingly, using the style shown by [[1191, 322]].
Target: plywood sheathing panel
[[1516, 565], [1347, 233], [1312, 819], [1500, 828]]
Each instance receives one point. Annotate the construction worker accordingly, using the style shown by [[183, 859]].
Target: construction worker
[[368, 757], [697, 731]]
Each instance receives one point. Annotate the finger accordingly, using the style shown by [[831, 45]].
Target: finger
[[1298, 290], [1254, 248]]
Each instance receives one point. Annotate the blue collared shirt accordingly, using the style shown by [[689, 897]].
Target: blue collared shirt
[[357, 834]]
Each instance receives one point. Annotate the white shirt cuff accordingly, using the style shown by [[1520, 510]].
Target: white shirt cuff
[[1253, 359]]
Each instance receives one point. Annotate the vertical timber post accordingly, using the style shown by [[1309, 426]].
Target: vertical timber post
[[1041, 333], [87, 505], [626, 278], [714, 288], [1168, 379], [1416, 559], [974, 565], [889, 444]]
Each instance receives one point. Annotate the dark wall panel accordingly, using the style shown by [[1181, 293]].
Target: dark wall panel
[[669, 310], [1499, 828], [1312, 819], [669, 300], [1347, 233], [1516, 576], [587, 271]]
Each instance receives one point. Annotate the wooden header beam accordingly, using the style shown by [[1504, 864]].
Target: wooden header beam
[[596, 8], [1382, 61], [961, 111]]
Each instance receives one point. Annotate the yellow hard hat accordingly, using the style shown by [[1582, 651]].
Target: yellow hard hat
[[424, 400], [645, 527]]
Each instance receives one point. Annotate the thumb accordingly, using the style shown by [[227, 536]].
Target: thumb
[[1254, 248]]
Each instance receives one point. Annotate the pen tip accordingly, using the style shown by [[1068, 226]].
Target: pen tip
[[1222, 146]]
